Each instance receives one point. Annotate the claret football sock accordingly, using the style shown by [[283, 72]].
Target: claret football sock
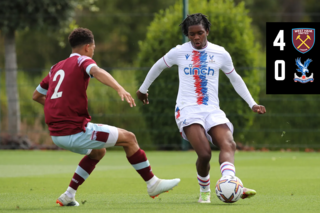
[[141, 164], [204, 183], [84, 169], [227, 168]]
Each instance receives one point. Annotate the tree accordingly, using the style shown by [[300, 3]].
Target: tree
[[19, 15], [118, 26], [262, 11], [230, 29]]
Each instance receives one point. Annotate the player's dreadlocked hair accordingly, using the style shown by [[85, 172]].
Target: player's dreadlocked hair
[[80, 36], [195, 19]]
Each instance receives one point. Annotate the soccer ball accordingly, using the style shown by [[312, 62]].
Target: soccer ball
[[229, 189]]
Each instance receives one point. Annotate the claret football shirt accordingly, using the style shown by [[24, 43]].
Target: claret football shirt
[[66, 105]]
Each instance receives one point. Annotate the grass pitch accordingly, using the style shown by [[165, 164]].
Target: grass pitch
[[31, 181]]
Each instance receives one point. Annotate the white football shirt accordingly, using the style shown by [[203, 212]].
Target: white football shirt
[[199, 72]]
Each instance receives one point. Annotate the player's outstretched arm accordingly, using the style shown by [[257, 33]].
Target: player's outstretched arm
[[38, 97], [241, 88], [259, 109], [153, 73], [105, 78]]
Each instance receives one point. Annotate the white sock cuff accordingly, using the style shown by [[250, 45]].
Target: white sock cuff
[[226, 163], [71, 192], [203, 178], [227, 168], [204, 183], [152, 181]]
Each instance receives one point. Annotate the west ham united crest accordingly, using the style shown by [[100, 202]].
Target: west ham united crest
[[303, 39], [303, 69]]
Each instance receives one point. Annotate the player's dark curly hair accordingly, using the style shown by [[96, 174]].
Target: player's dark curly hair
[[195, 19], [80, 36]]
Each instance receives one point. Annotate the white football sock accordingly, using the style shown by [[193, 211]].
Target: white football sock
[[204, 183], [227, 168], [70, 192], [152, 181]]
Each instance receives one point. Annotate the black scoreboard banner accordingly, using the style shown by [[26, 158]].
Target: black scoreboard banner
[[293, 58]]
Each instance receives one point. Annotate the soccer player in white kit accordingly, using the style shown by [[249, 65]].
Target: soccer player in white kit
[[197, 112]]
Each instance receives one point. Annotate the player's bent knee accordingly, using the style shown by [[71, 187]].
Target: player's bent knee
[[229, 145], [130, 138], [233, 145], [133, 137], [126, 138]]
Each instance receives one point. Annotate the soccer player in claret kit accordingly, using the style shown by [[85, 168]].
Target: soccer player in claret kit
[[63, 94], [197, 112]]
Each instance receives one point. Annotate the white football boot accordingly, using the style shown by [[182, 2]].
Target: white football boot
[[64, 200], [161, 186]]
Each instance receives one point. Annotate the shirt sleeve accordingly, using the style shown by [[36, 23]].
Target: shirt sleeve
[[171, 57], [86, 63], [227, 65], [153, 73], [44, 85], [241, 88], [168, 60]]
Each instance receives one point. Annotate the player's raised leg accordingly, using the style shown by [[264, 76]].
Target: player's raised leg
[[197, 138], [222, 138], [84, 169], [140, 163]]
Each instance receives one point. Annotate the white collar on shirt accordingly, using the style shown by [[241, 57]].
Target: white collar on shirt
[[203, 48], [74, 54]]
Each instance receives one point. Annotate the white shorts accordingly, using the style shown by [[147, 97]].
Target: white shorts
[[97, 136], [206, 116]]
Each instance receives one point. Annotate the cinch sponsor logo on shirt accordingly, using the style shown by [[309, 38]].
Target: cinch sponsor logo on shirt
[[198, 71]]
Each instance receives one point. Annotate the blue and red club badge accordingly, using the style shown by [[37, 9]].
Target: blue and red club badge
[[303, 40], [303, 69]]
